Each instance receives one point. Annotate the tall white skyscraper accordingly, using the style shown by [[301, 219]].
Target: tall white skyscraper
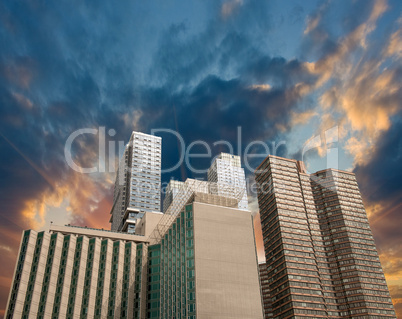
[[227, 170], [138, 181]]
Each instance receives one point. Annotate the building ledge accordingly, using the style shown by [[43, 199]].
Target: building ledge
[[128, 222], [93, 232]]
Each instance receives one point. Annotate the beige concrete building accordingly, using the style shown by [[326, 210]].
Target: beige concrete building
[[225, 263], [197, 260], [207, 264], [204, 266], [79, 272]]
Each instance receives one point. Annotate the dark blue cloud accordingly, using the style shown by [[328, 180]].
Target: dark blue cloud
[[380, 183], [381, 177], [67, 65], [70, 65]]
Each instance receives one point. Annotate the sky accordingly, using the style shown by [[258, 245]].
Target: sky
[[313, 80]]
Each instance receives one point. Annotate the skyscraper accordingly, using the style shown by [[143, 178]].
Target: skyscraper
[[227, 170], [201, 265], [207, 265], [138, 180], [321, 258], [172, 189], [265, 292], [196, 261]]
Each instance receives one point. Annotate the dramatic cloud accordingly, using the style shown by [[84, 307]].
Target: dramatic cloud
[[69, 67], [360, 92], [202, 69], [360, 85]]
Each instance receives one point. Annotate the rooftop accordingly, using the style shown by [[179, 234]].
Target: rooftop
[[94, 232]]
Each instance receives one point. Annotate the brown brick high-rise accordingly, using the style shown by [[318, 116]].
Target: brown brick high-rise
[[321, 258], [266, 298]]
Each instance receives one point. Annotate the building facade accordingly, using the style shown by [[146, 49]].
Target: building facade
[[208, 266], [226, 170], [138, 181], [265, 292], [204, 266], [320, 254], [172, 189], [78, 273]]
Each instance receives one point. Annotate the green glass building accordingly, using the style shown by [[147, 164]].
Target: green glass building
[[203, 266]]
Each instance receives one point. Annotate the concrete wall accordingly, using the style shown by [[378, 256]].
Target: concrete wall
[[18, 293], [226, 269], [148, 223]]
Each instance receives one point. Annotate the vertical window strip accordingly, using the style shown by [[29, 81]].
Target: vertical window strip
[[162, 274], [126, 281], [18, 273], [46, 278], [113, 279], [178, 269], [60, 278], [101, 278], [164, 278], [137, 281], [189, 295], [74, 278], [183, 265], [32, 275], [153, 298], [88, 277]]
